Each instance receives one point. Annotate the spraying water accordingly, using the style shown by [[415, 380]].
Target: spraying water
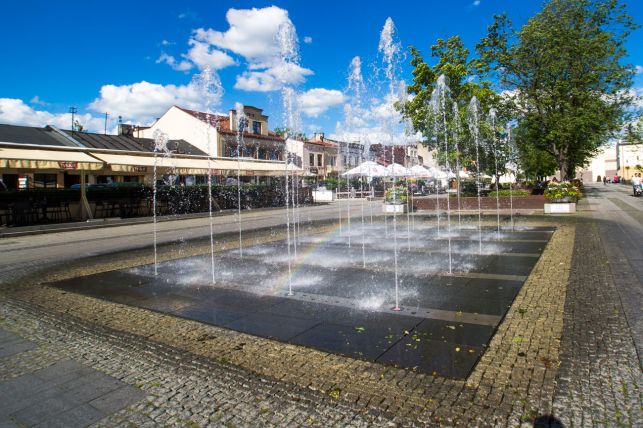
[[473, 120], [390, 50], [494, 142], [512, 156], [439, 103], [209, 86], [289, 59], [457, 131], [160, 146], [241, 127]]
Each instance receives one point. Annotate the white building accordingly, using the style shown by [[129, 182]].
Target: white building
[[217, 135]]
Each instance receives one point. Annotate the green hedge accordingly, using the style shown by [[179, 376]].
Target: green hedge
[[170, 199]]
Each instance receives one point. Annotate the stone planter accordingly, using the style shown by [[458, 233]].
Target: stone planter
[[323, 196], [394, 208], [560, 208]]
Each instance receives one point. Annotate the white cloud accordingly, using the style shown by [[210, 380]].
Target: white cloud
[[172, 62], [142, 102], [273, 78], [202, 55], [316, 101], [308, 40], [166, 43], [14, 111], [254, 35], [476, 3], [37, 100], [639, 69]]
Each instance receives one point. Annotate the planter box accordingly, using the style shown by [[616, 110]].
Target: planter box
[[560, 208], [394, 208], [323, 195]]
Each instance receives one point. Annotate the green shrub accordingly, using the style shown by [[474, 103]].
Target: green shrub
[[512, 192]]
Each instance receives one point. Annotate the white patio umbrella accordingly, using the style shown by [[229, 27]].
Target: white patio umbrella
[[439, 174], [367, 169], [397, 170], [421, 172]]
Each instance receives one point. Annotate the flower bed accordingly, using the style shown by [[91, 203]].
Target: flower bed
[[564, 192]]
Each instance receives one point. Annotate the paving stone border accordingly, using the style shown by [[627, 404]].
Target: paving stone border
[[513, 382]]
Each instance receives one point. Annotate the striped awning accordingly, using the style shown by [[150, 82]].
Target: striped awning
[[22, 158], [193, 166]]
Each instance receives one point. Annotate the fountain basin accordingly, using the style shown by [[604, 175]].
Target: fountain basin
[[339, 305]]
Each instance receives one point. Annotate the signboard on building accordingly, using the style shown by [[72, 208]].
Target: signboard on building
[[138, 168], [68, 165]]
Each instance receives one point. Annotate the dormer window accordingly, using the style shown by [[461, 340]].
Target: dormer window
[[256, 127]]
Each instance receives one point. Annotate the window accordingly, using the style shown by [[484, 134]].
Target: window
[[44, 181], [319, 160], [312, 160], [331, 160], [243, 125], [256, 127]]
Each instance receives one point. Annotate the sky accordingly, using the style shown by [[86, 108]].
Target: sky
[[136, 59]]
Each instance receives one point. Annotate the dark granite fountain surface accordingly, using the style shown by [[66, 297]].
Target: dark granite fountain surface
[[340, 306]]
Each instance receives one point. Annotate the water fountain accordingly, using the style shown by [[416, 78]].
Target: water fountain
[[209, 86], [160, 146], [494, 144], [457, 133], [288, 57], [390, 49], [473, 120], [241, 127], [439, 99]]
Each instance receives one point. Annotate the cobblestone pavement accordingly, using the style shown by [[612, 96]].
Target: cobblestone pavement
[[599, 376], [195, 375]]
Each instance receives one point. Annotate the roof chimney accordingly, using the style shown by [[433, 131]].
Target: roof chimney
[[126, 129], [319, 136]]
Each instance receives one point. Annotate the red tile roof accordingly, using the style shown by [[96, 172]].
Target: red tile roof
[[222, 123], [322, 143]]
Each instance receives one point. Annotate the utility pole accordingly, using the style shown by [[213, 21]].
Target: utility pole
[[73, 111], [106, 114]]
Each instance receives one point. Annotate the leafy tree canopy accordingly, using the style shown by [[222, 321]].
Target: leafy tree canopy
[[565, 75]]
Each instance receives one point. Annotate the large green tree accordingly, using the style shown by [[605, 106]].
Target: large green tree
[[565, 76], [465, 77]]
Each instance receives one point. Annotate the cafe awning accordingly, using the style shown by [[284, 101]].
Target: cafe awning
[[191, 166], [20, 158]]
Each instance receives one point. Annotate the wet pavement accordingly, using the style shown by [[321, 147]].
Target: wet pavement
[[339, 299]]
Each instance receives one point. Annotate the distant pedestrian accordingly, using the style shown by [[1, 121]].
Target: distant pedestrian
[[604, 180], [636, 182]]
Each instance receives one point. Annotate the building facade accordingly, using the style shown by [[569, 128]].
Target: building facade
[[219, 135]]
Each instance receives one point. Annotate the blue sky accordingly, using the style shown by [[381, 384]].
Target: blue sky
[[98, 56]]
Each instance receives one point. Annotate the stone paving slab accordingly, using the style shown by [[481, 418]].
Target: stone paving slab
[[63, 394]]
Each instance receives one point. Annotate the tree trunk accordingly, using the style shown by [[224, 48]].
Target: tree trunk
[[562, 167]]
